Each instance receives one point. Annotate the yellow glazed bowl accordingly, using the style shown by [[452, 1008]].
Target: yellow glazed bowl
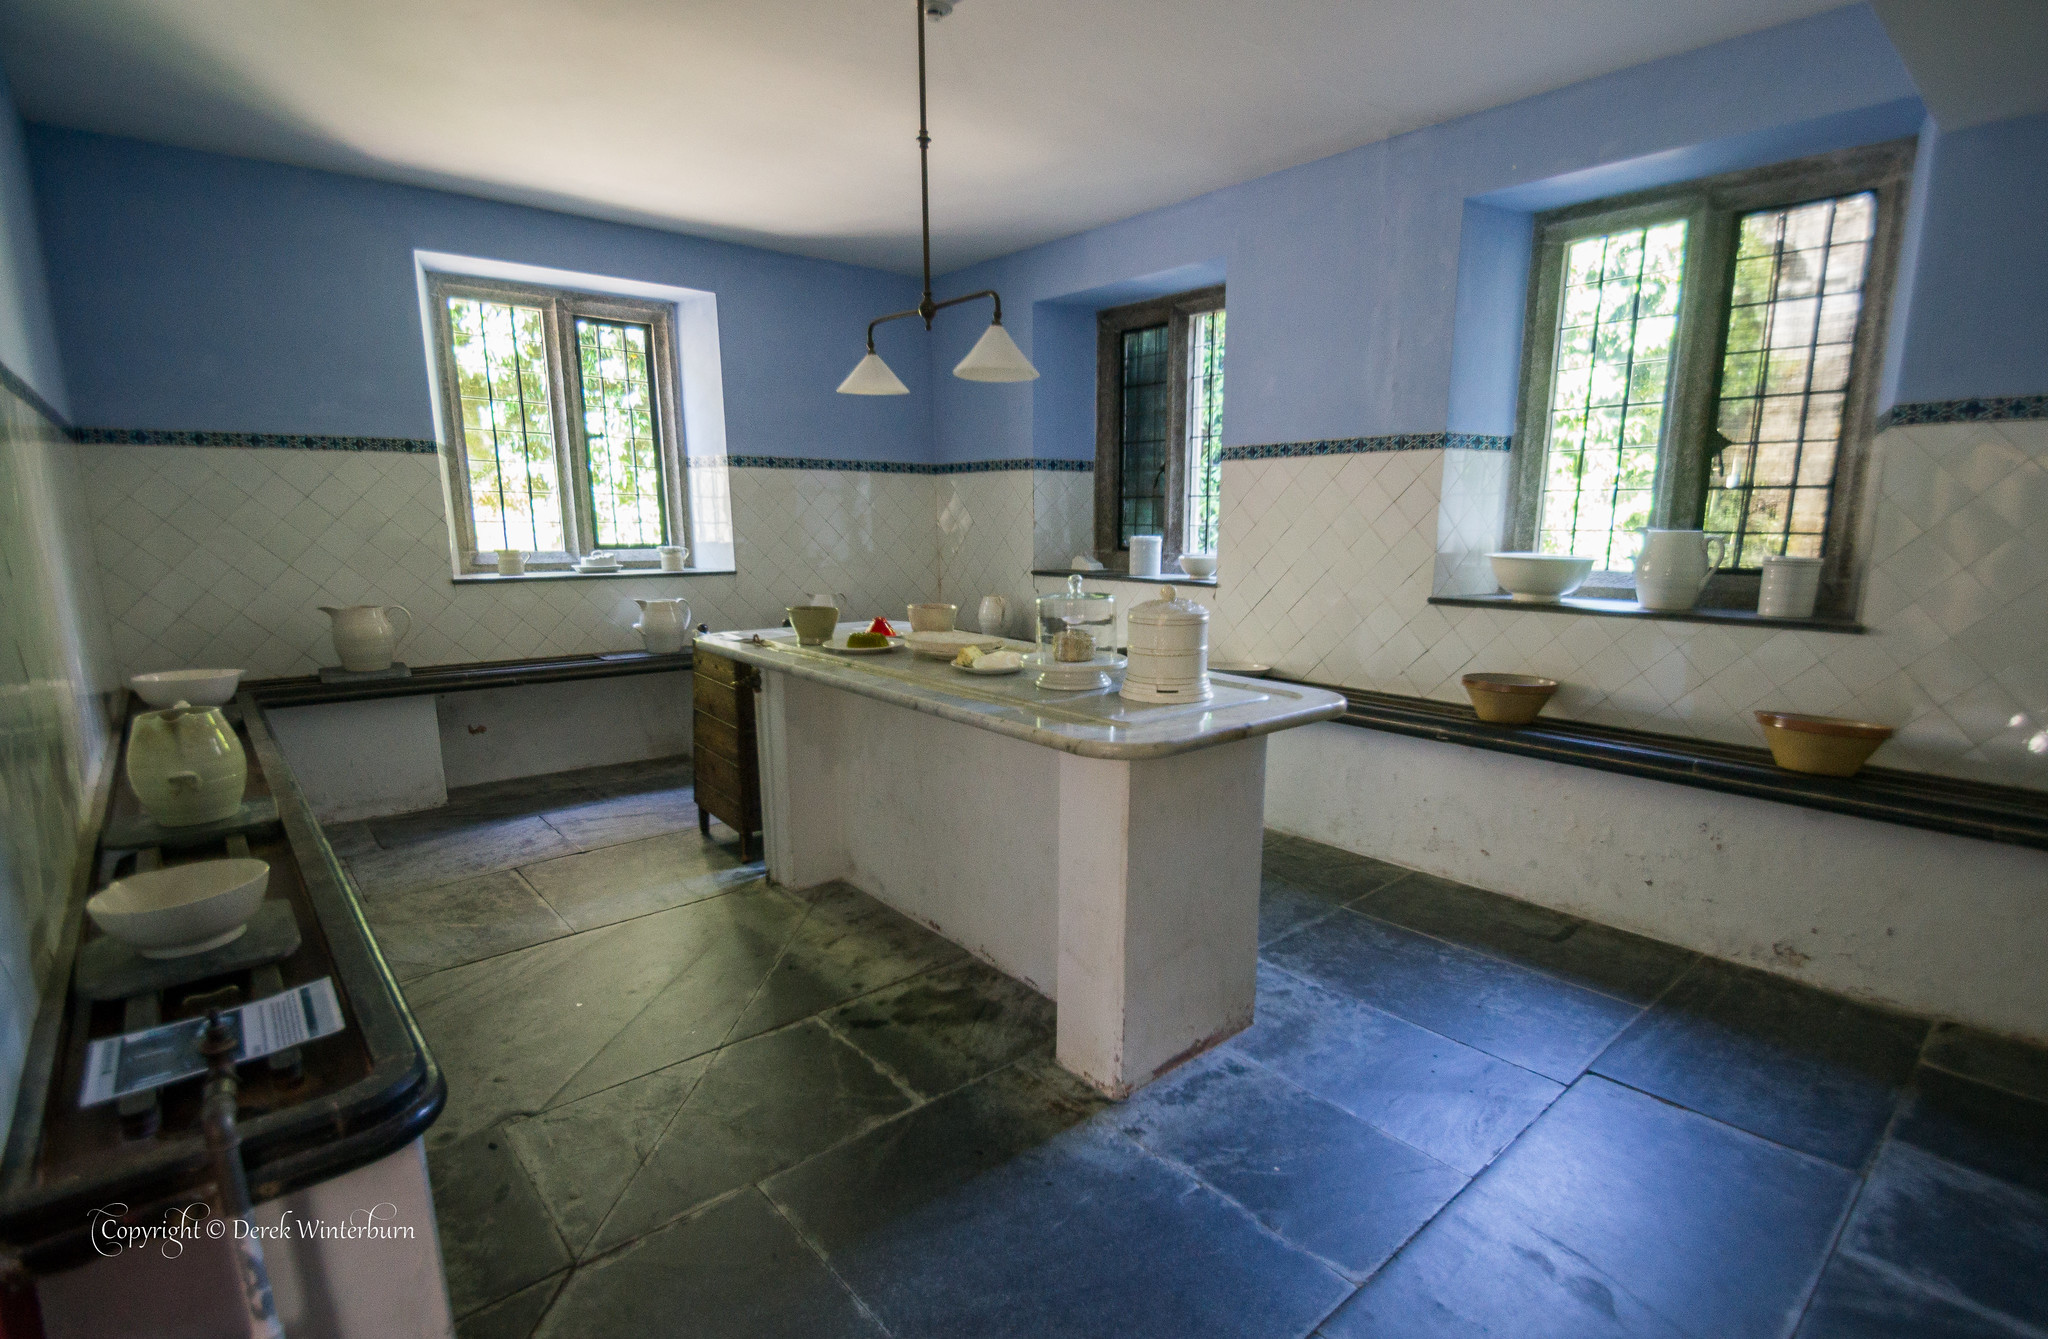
[[1820, 745], [1508, 699], [813, 622]]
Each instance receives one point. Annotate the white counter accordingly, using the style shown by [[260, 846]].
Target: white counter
[[1104, 852]]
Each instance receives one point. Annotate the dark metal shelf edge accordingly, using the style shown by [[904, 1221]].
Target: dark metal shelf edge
[[2007, 814], [308, 691]]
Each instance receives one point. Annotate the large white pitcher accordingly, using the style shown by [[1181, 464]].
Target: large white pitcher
[[1674, 567], [664, 625], [363, 636]]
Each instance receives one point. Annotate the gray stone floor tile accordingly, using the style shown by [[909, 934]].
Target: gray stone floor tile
[[1611, 961], [454, 923], [1809, 1070], [1955, 1231], [1519, 1015], [496, 1236], [1459, 1105], [1859, 1300], [1479, 1270], [762, 1105], [1286, 904], [470, 806], [1317, 1176], [548, 1024], [735, 1271], [621, 882], [347, 839], [938, 1031], [1987, 1058], [461, 853], [634, 778], [848, 945], [1716, 1230], [951, 1221], [514, 1317], [1343, 874], [610, 820], [583, 1155]]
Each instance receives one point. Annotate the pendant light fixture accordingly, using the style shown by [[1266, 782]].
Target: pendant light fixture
[[995, 356]]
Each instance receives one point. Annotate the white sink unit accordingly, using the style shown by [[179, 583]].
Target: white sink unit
[[1104, 852]]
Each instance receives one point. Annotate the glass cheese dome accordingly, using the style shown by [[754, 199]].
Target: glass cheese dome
[[1074, 625]]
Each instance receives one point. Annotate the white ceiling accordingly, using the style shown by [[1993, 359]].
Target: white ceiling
[[791, 123]]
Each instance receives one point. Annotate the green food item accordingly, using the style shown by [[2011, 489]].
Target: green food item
[[861, 641]]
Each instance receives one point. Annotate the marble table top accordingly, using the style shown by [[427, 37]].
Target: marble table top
[[1097, 724]]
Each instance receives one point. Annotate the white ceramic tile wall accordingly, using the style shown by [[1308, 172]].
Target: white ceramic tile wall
[[985, 542], [54, 742], [1331, 559], [1469, 516], [223, 556], [1063, 521]]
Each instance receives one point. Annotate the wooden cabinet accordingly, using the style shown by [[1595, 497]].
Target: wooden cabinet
[[722, 744]]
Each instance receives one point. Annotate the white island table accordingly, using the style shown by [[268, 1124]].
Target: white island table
[[1104, 852]]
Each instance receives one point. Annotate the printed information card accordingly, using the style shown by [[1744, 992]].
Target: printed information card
[[137, 1061]]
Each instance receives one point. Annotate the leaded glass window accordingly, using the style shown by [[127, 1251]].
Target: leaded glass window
[[568, 444], [1148, 394], [1204, 430], [1159, 424]]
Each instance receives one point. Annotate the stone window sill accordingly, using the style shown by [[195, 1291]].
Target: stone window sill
[[1571, 604], [566, 574]]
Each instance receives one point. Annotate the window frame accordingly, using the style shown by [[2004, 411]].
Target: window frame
[[561, 307], [1175, 311], [1712, 207]]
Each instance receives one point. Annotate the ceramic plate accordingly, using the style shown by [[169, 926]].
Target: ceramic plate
[[838, 646], [976, 669]]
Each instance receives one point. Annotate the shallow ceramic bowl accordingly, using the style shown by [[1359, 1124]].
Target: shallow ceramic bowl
[[1539, 578], [1200, 566], [1820, 745], [1249, 669], [184, 909], [946, 644], [1508, 699], [933, 617], [813, 622], [200, 687]]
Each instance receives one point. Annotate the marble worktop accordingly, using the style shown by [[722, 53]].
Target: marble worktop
[[1097, 724]]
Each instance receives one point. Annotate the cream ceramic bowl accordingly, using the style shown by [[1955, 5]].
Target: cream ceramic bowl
[[1200, 566], [200, 687], [185, 909], [1539, 578]]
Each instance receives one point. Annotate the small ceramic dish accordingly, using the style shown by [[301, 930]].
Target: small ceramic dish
[[1251, 670], [838, 646], [1820, 745], [1017, 668], [946, 644], [1508, 699], [182, 909], [200, 687]]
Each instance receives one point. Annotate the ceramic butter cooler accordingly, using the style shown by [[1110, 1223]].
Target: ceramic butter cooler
[[1169, 651]]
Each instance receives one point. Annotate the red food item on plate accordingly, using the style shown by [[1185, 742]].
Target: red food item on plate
[[881, 625]]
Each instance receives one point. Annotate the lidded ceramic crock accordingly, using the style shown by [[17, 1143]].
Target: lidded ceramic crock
[[1169, 650], [186, 765]]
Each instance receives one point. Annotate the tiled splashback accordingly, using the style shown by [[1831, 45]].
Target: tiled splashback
[[1329, 562], [54, 741], [223, 556]]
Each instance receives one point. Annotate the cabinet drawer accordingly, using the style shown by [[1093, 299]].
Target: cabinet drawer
[[729, 741], [723, 701], [718, 668], [728, 790]]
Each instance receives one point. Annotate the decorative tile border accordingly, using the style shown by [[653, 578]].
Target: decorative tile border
[[1022, 463], [886, 466], [270, 441], [1352, 446], [1992, 409]]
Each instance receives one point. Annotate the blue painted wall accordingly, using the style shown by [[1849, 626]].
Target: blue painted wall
[[1977, 314], [1354, 310], [195, 291], [28, 342]]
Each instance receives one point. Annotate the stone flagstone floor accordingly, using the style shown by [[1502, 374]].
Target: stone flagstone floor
[[686, 1102]]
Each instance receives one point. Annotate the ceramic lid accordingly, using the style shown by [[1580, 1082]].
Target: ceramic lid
[[1168, 611]]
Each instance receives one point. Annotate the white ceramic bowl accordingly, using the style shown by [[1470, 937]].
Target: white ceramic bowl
[[200, 687], [1200, 566], [1539, 578], [184, 909]]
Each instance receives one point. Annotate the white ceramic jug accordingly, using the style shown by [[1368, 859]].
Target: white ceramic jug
[[363, 636], [664, 625], [995, 615], [1673, 569], [186, 765]]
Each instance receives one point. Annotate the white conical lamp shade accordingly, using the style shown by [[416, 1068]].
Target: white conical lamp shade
[[871, 376], [996, 357]]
